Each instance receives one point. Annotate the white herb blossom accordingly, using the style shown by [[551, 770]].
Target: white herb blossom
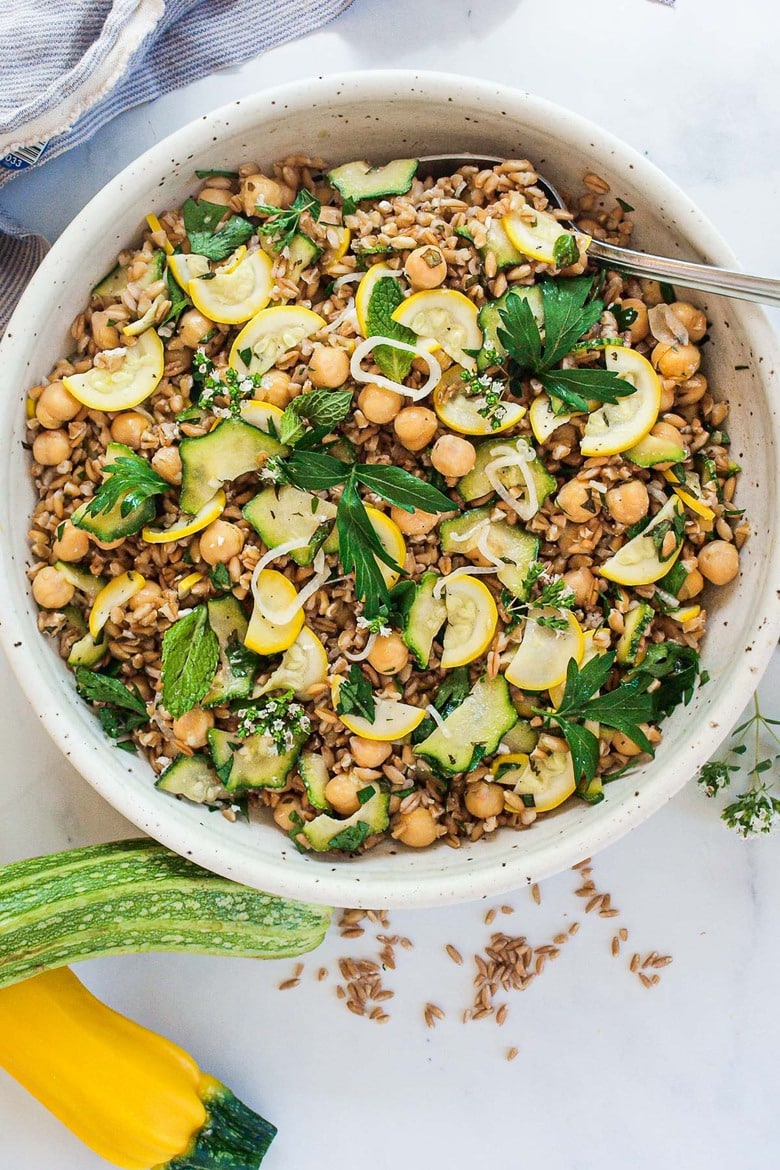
[[279, 718], [363, 623]]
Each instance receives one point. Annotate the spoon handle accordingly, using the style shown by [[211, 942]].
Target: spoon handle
[[723, 281]]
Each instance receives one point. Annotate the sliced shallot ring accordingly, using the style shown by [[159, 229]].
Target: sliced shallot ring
[[280, 617], [438, 720], [364, 653]]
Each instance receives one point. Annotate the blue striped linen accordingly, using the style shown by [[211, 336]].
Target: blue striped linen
[[78, 63]]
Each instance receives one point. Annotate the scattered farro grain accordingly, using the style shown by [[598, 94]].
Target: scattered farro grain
[[634, 964], [288, 984], [502, 1014], [454, 954], [490, 917], [536, 893], [581, 864], [322, 974], [507, 909], [646, 982], [623, 933], [616, 946], [512, 1053]]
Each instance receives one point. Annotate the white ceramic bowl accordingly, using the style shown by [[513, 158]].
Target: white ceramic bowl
[[381, 115]]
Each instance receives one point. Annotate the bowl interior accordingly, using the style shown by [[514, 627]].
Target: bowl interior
[[381, 116]]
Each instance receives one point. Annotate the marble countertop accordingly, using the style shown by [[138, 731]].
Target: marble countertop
[[609, 1073]]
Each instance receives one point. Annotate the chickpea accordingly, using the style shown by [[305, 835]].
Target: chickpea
[[621, 743], [628, 502], [58, 403], [692, 318], [692, 391], [50, 589], [668, 395], [220, 542], [676, 361], [582, 584], [640, 326], [718, 561], [378, 404], [104, 334], [389, 653], [260, 189], [193, 727], [328, 367], [416, 523], [665, 430], [283, 813], [129, 428], [47, 420], [576, 501], [369, 753], [275, 388], [453, 456], [72, 545], [51, 448], [484, 800], [415, 426], [426, 267], [416, 828], [167, 463], [691, 586], [216, 195], [651, 292], [148, 594], [341, 792], [193, 327]]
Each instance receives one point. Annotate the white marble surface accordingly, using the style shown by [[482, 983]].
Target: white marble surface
[[609, 1075]]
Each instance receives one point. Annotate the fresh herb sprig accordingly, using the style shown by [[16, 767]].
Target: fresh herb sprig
[[130, 481], [212, 385], [284, 223], [190, 656], [568, 314], [386, 295], [279, 717], [356, 696], [121, 709], [322, 409], [491, 390], [201, 220], [757, 809]]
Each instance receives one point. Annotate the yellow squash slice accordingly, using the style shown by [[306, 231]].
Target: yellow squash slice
[[137, 375]]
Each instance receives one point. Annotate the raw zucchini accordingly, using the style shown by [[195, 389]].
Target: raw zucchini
[[655, 449], [138, 896], [302, 254], [424, 618], [326, 832], [81, 579], [279, 514], [510, 542], [520, 738], [237, 665], [476, 483], [489, 321], [674, 579], [87, 651], [232, 449], [498, 244], [473, 730], [193, 777], [243, 764], [112, 525], [313, 771], [115, 283], [359, 180], [635, 625]]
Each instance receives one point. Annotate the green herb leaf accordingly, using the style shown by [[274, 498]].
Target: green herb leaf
[[359, 548], [209, 174], [219, 576], [178, 298], [624, 205], [356, 696], [322, 408], [386, 295], [200, 223], [582, 684], [101, 688], [365, 794], [565, 251], [401, 488], [130, 481], [352, 838], [624, 709], [676, 666], [584, 748], [243, 662], [566, 315], [574, 387], [667, 292], [520, 334], [284, 223], [312, 471], [190, 655], [624, 318]]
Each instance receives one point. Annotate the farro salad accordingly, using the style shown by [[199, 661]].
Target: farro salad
[[365, 505]]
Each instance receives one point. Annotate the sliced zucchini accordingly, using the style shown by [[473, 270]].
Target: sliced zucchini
[[115, 283], [654, 450], [477, 484], [279, 514], [489, 320], [237, 664], [302, 254], [473, 730], [244, 764], [193, 777], [112, 525], [521, 738], [303, 665], [314, 773], [635, 626], [674, 579], [498, 244], [510, 542], [88, 652], [75, 618], [542, 784], [326, 832], [360, 180], [232, 449], [424, 618], [81, 579]]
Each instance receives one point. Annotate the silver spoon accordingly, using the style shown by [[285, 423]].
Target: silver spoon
[[723, 281]]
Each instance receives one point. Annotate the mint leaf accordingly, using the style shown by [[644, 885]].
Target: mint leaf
[[190, 655], [386, 295], [565, 251], [401, 488], [352, 838], [356, 696], [322, 408]]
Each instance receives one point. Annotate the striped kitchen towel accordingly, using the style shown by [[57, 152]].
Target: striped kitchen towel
[[69, 66]]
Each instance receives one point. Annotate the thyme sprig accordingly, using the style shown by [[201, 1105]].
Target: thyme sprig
[[757, 809]]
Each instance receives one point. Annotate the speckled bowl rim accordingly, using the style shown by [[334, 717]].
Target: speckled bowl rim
[[430, 882]]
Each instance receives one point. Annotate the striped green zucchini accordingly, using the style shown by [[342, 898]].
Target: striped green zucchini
[[138, 896]]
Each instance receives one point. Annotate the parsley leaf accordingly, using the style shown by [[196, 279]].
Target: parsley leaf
[[566, 315], [178, 298], [311, 471], [130, 481], [352, 838], [401, 488], [356, 696], [386, 295], [190, 656], [219, 576], [565, 251], [360, 550], [121, 709], [284, 223], [200, 222], [574, 387], [676, 666]]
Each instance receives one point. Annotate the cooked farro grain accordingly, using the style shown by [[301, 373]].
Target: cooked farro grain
[[192, 738]]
